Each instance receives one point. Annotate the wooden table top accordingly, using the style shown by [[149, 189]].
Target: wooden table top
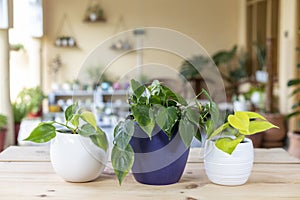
[[26, 173]]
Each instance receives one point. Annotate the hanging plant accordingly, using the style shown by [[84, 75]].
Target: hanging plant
[[94, 12], [121, 44], [65, 39]]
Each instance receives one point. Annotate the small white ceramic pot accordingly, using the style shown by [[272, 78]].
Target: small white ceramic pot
[[76, 158], [241, 106], [261, 76], [93, 17], [224, 169], [58, 42], [64, 42], [71, 42]]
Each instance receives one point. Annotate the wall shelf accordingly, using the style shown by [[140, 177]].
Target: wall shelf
[[65, 39], [104, 104], [87, 20]]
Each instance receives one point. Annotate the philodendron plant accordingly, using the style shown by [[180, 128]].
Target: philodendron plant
[[45, 131], [153, 105], [238, 125]]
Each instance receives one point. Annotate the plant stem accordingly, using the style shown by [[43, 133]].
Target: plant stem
[[66, 125]]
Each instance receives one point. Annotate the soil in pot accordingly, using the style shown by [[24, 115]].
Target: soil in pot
[[159, 161]]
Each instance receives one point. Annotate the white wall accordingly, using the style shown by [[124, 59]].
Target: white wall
[[212, 23]]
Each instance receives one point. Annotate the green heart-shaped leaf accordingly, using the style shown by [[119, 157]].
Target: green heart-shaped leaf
[[87, 130], [100, 139], [123, 133], [259, 126], [187, 131], [137, 88], [240, 121], [166, 118], [193, 115], [75, 120], [144, 117], [141, 114], [89, 118], [228, 145], [150, 126], [122, 161], [70, 112], [171, 95], [44, 132]]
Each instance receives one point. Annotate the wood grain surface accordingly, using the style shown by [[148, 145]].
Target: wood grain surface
[[26, 173]]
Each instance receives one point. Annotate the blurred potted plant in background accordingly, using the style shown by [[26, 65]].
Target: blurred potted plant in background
[[94, 73], [28, 103], [16, 47], [19, 112], [264, 99], [33, 99], [93, 13], [232, 67], [190, 69], [97, 77], [3, 129], [241, 102], [261, 75]]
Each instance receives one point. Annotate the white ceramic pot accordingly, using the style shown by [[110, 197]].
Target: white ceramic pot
[[93, 17], [64, 42], [224, 169], [258, 98], [261, 76], [76, 158], [71, 42], [58, 42]]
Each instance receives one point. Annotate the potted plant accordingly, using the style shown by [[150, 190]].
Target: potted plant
[[294, 135], [241, 103], [78, 152], [19, 112], [265, 100], [93, 73], [3, 124], [232, 67], [228, 158], [154, 140], [261, 75], [190, 70], [33, 99], [94, 13], [16, 47]]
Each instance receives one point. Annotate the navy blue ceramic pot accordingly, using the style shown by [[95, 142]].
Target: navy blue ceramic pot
[[159, 161]]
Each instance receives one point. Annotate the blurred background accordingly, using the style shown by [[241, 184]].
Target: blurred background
[[47, 57]]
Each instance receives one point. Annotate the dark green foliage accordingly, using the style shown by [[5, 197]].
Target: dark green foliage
[[156, 104]]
